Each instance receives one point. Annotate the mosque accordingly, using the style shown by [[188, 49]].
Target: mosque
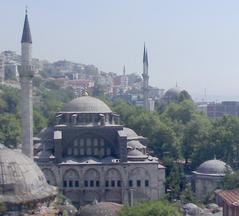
[[90, 156], [87, 153]]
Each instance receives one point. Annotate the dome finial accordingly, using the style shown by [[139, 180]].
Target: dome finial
[[26, 8], [84, 92]]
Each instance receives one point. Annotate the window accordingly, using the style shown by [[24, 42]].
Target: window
[[86, 183], [146, 184], [69, 151], [95, 141], [75, 143], [81, 142], [76, 183], [130, 183], [108, 151], [112, 183], [88, 151], [88, 142], [70, 183], [91, 183], [138, 183], [102, 152], [106, 183], [97, 183], [48, 182], [96, 151], [64, 183], [102, 143], [119, 183], [82, 151], [75, 151]]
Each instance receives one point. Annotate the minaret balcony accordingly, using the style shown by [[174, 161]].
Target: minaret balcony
[[26, 71]]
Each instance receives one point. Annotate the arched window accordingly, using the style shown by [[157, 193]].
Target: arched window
[[71, 179], [113, 178], [138, 178], [92, 178]]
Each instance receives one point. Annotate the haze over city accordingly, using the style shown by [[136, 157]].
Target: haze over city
[[193, 43]]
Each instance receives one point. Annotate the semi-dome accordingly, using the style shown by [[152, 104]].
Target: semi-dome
[[216, 167], [86, 104], [173, 92], [136, 155], [46, 133], [130, 133], [101, 209], [21, 180], [135, 144]]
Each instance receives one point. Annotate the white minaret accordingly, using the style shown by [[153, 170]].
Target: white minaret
[[145, 76], [26, 74]]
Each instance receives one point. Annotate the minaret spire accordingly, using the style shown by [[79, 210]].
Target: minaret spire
[[26, 34], [26, 74], [145, 78]]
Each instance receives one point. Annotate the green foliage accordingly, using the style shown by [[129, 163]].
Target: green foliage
[[187, 196], [151, 208], [3, 207], [230, 181], [10, 129]]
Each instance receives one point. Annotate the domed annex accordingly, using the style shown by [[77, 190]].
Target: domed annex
[[213, 167], [93, 157], [207, 176], [101, 209], [22, 183]]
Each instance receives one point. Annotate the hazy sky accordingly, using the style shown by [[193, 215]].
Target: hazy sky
[[192, 42]]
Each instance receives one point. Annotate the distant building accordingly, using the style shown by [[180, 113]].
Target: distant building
[[120, 84], [215, 110]]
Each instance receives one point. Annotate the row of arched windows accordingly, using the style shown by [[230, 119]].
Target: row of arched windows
[[89, 147], [92, 179]]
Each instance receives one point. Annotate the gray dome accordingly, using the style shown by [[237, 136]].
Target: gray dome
[[214, 167], [46, 133], [101, 209], [129, 133], [136, 155], [21, 180], [135, 144], [173, 92], [86, 104]]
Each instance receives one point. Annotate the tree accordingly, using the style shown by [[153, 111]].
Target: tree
[[10, 130], [151, 208], [230, 181]]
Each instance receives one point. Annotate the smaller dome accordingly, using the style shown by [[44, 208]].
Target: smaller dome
[[46, 133], [129, 133], [216, 167], [101, 209], [136, 155], [173, 92], [86, 104], [135, 144]]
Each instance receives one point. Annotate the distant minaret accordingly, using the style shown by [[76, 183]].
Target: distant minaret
[[2, 70], [124, 71], [26, 74], [145, 78]]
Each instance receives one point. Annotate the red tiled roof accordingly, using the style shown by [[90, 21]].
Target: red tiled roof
[[230, 196]]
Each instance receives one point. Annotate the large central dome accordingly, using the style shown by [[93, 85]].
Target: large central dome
[[86, 104]]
